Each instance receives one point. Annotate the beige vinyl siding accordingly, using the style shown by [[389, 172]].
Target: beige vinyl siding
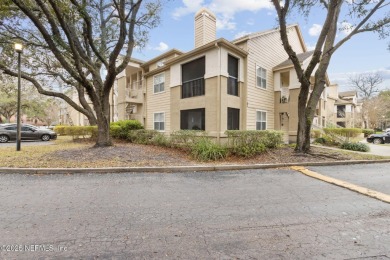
[[266, 51], [122, 83], [205, 30], [158, 102]]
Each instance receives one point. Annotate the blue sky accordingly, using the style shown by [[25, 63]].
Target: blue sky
[[363, 53]]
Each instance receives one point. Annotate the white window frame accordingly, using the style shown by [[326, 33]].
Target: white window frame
[[263, 79], [161, 84], [266, 119], [154, 121]]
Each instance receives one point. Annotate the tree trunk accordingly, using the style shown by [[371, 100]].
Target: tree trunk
[[304, 122], [103, 134], [102, 109]]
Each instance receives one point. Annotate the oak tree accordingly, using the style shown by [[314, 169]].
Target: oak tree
[[84, 44], [362, 16]]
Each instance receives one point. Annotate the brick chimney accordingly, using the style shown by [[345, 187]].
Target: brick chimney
[[205, 27]]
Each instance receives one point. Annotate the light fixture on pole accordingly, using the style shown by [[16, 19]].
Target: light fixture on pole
[[18, 49]]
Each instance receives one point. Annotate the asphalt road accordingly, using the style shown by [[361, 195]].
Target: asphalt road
[[253, 214], [26, 143]]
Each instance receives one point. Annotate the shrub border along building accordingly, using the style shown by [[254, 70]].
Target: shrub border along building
[[197, 143]]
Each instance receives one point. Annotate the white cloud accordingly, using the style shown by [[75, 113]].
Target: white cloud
[[190, 6], [225, 23], [346, 28], [240, 34], [315, 30], [162, 47], [310, 47], [225, 10]]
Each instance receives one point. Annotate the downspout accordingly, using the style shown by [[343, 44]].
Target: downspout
[[219, 93]]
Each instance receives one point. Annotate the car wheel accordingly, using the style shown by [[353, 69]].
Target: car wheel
[[4, 138], [377, 141], [45, 137]]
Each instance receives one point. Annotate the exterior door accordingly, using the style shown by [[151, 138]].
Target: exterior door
[[284, 126], [27, 133]]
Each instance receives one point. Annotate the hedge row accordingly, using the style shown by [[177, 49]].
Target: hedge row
[[76, 131], [198, 143], [345, 132]]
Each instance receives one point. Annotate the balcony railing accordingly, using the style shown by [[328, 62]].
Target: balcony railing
[[137, 84], [193, 88], [134, 90], [340, 114]]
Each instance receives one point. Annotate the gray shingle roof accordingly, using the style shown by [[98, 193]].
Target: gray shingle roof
[[301, 57], [347, 94]]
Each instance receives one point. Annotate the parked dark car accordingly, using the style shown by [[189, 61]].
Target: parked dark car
[[383, 138], [28, 132]]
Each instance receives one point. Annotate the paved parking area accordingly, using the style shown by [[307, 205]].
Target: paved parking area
[[372, 176], [253, 214], [380, 149], [26, 143]]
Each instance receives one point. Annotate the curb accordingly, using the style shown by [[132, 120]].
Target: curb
[[179, 168]]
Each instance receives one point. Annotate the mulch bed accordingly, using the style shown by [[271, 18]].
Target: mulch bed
[[127, 154]]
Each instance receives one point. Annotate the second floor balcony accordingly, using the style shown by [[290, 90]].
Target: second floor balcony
[[135, 92]]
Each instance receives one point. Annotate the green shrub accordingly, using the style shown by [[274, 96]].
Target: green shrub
[[141, 136], [161, 140], [185, 138], [128, 124], [344, 132], [355, 147], [250, 143], [204, 149], [367, 132], [320, 140], [77, 131], [59, 129], [120, 129]]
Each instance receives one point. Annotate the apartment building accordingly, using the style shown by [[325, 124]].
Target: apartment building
[[346, 110], [246, 84]]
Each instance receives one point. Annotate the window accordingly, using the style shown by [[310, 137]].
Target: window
[[341, 111], [26, 129], [159, 83], [11, 128], [159, 121], [261, 120], [261, 77], [193, 78], [193, 119], [233, 120], [232, 86]]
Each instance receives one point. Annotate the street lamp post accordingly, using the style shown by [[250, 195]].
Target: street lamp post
[[18, 49]]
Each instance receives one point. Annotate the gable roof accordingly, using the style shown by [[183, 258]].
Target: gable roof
[[162, 56], [202, 49], [288, 63], [347, 94], [275, 30]]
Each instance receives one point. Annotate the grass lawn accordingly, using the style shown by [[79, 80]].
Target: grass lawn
[[65, 153]]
